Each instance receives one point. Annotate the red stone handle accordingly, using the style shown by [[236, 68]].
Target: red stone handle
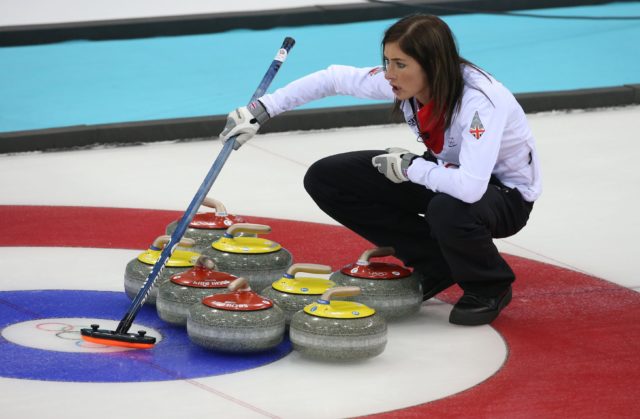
[[216, 205], [206, 262], [376, 252], [240, 284]]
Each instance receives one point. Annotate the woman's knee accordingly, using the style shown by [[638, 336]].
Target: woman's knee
[[446, 215], [319, 173], [339, 172]]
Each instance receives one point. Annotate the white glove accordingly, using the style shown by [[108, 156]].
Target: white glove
[[244, 122], [394, 164], [397, 150]]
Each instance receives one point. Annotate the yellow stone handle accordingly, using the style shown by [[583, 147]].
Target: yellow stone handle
[[376, 252], [310, 268], [216, 205], [240, 284], [248, 228], [162, 241], [340, 292]]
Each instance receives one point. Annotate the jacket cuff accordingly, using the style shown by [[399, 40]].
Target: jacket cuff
[[419, 169]]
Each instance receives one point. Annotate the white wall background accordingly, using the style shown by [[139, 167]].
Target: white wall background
[[32, 12]]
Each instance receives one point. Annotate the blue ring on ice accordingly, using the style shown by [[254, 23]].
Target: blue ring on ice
[[175, 357]]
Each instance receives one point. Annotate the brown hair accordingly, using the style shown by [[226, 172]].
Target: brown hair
[[428, 40]]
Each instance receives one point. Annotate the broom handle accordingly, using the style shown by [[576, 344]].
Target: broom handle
[[138, 301]]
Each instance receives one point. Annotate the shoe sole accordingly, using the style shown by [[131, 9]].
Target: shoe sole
[[464, 319]]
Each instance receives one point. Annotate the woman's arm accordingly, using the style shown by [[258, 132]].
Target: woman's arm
[[481, 124], [365, 83]]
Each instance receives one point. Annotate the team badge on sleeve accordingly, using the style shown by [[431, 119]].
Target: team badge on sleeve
[[477, 129], [374, 71]]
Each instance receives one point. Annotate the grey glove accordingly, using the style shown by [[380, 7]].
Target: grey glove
[[394, 164], [244, 122]]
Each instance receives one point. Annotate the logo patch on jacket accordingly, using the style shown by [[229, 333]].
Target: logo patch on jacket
[[477, 129], [374, 71]]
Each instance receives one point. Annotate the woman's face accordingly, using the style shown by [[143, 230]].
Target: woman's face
[[405, 75]]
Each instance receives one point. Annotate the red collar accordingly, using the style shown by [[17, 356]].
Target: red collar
[[431, 130]]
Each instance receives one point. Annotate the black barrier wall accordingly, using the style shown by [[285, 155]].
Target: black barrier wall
[[350, 116], [209, 127]]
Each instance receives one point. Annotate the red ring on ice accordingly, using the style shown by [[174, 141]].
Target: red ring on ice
[[572, 338]]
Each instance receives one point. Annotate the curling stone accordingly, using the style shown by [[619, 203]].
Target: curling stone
[[207, 227], [293, 293], [237, 321], [394, 291], [138, 269], [259, 260], [182, 290], [338, 330]]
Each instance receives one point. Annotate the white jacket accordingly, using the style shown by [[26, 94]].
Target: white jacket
[[488, 135]]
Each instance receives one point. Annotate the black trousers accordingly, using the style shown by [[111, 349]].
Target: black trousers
[[440, 236]]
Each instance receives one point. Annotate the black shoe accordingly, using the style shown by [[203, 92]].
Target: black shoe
[[474, 310], [430, 290]]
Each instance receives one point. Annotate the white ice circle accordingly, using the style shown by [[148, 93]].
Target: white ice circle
[[63, 334]]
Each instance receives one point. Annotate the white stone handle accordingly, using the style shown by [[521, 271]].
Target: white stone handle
[[247, 228], [310, 268], [162, 241], [340, 292]]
